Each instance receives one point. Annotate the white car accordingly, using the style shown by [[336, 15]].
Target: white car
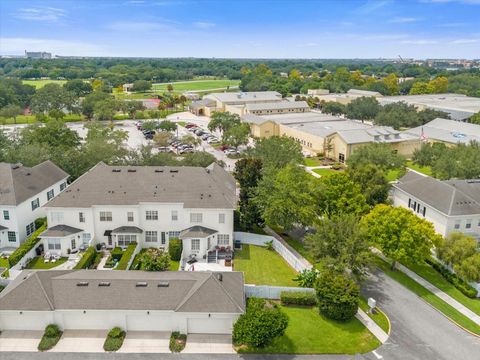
[[230, 152], [212, 140]]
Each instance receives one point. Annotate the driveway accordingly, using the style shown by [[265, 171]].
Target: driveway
[[87, 341], [208, 344], [146, 342], [20, 340], [418, 330]]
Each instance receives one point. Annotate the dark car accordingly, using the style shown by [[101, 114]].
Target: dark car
[[190, 125]]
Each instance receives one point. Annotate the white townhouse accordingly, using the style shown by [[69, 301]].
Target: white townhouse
[[118, 205], [452, 205], [23, 192]]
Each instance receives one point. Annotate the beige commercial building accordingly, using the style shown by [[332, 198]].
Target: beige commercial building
[[346, 98], [446, 131]]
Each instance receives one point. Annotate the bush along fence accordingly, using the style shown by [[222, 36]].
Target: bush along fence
[[290, 255], [305, 298], [87, 259], [19, 256], [127, 257], [453, 279]]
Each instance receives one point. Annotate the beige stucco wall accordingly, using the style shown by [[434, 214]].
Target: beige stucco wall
[[264, 130], [308, 141]]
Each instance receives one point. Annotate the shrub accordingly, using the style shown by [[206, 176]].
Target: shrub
[[114, 339], [177, 341], [298, 298], [175, 248], [123, 263], [40, 222], [20, 252], [464, 287], [261, 323], [307, 278], [98, 246], [50, 337], [97, 259], [269, 245], [154, 259], [87, 259], [117, 253], [338, 296]]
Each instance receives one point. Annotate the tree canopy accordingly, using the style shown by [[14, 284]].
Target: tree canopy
[[377, 154], [276, 152]]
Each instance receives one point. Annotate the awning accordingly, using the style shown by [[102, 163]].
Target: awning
[[3, 228], [60, 231], [196, 232], [107, 233], [127, 230]]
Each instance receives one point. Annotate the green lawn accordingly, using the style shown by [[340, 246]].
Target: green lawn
[[379, 317], [393, 175], [196, 85], [308, 332], [428, 296], [433, 276], [326, 172], [174, 265], [263, 267], [426, 170], [38, 263], [312, 161], [3, 262], [41, 83]]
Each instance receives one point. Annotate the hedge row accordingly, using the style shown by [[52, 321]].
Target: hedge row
[[298, 298], [175, 248], [453, 279], [87, 259], [127, 254], [20, 252], [116, 253]]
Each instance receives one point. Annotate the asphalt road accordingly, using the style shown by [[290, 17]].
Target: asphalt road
[[419, 332]]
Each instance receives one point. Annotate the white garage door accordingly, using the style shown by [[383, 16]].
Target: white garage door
[[24, 322], [148, 323], [91, 321], [209, 326]]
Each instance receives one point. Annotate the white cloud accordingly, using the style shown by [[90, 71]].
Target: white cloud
[[40, 14], [138, 26], [403, 20], [465, 41], [372, 5], [58, 47], [203, 24], [419, 42]]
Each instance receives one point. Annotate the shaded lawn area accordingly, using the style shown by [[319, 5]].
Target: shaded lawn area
[[326, 172], [312, 161], [263, 267], [428, 296], [433, 276], [308, 332], [38, 263], [426, 170], [379, 317]]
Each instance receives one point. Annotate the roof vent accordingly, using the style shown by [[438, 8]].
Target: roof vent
[[174, 170], [132, 170], [163, 284], [116, 170], [141, 284], [82, 283], [158, 171], [104, 283], [220, 277]]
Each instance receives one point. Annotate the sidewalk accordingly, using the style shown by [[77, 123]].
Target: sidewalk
[[372, 326]]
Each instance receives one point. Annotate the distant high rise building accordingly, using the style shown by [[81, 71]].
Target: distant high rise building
[[38, 55]]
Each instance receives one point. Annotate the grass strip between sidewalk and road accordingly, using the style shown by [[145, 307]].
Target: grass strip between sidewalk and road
[[379, 317], [429, 297]]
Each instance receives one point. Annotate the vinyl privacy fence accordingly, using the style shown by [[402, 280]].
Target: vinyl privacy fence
[[271, 292]]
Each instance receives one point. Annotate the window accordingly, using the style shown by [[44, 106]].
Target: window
[[152, 215], [30, 228], [457, 224], [50, 194], [151, 236], [130, 216], [12, 236], [468, 225], [163, 238], [63, 186], [73, 243], [195, 244], [35, 204], [174, 215], [105, 216], [223, 239], [6, 215], [56, 217], [86, 238], [221, 218], [196, 217], [81, 217], [341, 157], [125, 240], [173, 234], [54, 244]]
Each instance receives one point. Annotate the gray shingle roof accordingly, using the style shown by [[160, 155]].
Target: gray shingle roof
[[19, 183], [448, 131], [60, 231], [277, 105], [453, 197], [196, 231], [187, 291], [127, 230], [195, 187]]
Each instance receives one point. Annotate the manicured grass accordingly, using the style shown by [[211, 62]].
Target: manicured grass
[[426, 170], [379, 317], [263, 267], [326, 172], [41, 83], [308, 332], [31, 119], [428, 296], [393, 175], [38, 263], [433, 276], [174, 265], [196, 85], [3, 262], [312, 161], [181, 123]]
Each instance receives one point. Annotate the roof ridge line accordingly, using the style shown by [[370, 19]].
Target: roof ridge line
[[191, 293], [44, 292], [226, 292]]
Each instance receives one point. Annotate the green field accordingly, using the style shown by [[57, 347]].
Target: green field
[[196, 85], [41, 83], [325, 171], [426, 170]]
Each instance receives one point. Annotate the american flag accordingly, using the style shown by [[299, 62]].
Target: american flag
[[423, 137]]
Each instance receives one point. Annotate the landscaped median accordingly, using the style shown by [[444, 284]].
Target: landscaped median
[[126, 256]]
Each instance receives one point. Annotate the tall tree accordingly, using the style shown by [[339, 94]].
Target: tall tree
[[363, 108], [223, 121], [11, 111], [237, 135], [377, 154], [372, 181], [78, 87], [276, 152], [248, 173], [52, 96]]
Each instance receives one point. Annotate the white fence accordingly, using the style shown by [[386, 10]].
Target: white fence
[[286, 251], [26, 258], [135, 252], [271, 292]]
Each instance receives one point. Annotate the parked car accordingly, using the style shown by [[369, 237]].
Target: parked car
[[193, 129], [164, 149], [190, 125], [212, 140], [205, 136], [186, 150], [223, 147], [231, 151], [199, 132]]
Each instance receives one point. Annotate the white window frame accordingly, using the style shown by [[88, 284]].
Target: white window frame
[[30, 228], [195, 244], [63, 186], [106, 216], [151, 215], [123, 240], [35, 204], [12, 235], [86, 237], [151, 236], [81, 217], [174, 215], [50, 194], [196, 218], [54, 244], [221, 218], [6, 215], [223, 239], [56, 217], [130, 217]]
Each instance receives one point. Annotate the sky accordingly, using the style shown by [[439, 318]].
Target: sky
[[243, 28]]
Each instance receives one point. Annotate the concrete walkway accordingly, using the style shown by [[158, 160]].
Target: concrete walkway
[[371, 325], [439, 293]]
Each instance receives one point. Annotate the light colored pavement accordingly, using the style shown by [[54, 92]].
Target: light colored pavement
[[371, 325], [14, 340], [146, 342], [208, 344], [81, 341], [445, 297]]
